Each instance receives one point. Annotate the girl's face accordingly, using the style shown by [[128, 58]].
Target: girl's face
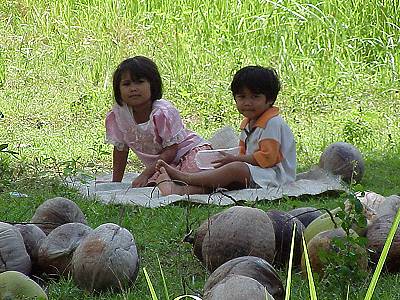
[[135, 92], [251, 105]]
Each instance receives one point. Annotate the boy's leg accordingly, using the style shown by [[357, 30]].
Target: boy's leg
[[168, 187], [233, 173]]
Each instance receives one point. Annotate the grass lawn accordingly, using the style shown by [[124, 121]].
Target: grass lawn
[[338, 62]]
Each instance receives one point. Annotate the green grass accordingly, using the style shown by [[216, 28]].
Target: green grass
[[338, 62], [158, 234], [339, 65]]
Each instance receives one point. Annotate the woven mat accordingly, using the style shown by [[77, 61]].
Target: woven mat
[[314, 182]]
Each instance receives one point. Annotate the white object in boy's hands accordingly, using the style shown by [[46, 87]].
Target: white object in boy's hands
[[204, 158]]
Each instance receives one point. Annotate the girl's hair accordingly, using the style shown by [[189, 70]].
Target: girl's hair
[[258, 80], [139, 67]]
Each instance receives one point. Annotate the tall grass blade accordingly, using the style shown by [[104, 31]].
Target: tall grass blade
[[313, 293], [289, 276], [383, 256], [150, 285], [301, 17], [163, 279]]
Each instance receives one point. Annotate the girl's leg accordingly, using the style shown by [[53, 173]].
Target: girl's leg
[[233, 173], [168, 187]]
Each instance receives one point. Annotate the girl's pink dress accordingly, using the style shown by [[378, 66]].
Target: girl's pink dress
[[147, 140]]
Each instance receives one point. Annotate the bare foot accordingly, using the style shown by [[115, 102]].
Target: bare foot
[[172, 172], [167, 186]]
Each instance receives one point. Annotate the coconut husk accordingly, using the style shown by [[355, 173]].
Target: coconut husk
[[377, 233], [238, 231], [305, 214], [33, 237], [249, 266], [283, 227], [55, 212], [343, 159], [389, 206], [237, 287], [15, 285], [199, 236], [322, 242], [106, 258], [13, 255], [56, 250]]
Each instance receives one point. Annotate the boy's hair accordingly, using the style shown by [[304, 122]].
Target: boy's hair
[[138, 67], [258, 80]]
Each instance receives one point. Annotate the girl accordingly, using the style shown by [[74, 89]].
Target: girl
[[267, 147], [147, 124]]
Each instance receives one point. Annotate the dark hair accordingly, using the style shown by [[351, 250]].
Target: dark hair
[[138, 67], [258, 80]]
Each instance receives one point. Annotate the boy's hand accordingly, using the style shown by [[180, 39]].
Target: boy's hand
[[140, 181], [225, 159]]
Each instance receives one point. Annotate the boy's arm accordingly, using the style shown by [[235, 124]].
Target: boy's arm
[[269, 153], [120, 159], [267, 156], [248, 159], [228, 158]]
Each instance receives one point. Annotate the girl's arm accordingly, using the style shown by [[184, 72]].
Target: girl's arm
[[120, 159], [168, 154]]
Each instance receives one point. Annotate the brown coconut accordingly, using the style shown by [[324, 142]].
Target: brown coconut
[[200, 234], [238, 231], [377, 233], [305, 214], [323, 242], [106, 258], [55, 212], [33, 237], [249, 266], [283, 226], [238, 287], [13, 254], [55, 252], [343, 159]]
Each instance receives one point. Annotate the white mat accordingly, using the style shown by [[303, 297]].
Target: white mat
[[313, 182]]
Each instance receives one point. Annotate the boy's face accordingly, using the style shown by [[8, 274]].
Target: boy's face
[[251, 105]]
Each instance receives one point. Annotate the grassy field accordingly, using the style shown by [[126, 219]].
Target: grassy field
[[339, 65]]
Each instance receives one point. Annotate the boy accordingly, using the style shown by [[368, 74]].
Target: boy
[[267, 148]]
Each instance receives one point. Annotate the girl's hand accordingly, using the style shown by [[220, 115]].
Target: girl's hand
[[140, 181], [225, 159]]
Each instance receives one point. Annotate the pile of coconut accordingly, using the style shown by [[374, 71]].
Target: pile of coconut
[[259, 241], [379, 211], [241, 246], [58, 242], [243, 231]]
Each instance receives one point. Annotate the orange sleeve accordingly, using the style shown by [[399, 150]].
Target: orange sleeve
[[242, 148], [269, 154]]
